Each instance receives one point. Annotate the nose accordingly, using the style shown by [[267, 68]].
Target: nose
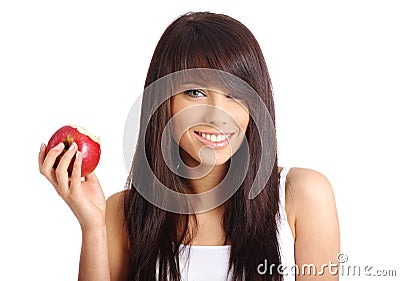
[[215, 116], [215, 113]]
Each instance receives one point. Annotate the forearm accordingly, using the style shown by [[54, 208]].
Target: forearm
[[94, 263]]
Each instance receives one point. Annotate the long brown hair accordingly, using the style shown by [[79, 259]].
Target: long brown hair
[[202, 40]]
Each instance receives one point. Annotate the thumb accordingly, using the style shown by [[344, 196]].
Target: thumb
[[92, 178]]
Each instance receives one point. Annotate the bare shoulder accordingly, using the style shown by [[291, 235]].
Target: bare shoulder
[[115, 202], [307, 186], [309, 194], [115, 215], [312, 215], [117, 237]]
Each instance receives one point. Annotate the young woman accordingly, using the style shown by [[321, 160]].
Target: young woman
[[288, 229]]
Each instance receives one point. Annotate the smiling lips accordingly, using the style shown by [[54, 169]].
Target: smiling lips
[[215, 140]]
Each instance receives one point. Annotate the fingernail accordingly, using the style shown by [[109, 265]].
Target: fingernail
[[73, 146], [42, 145], [60, 146], [78, 155]]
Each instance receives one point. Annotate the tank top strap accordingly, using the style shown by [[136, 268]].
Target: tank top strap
[[282, 188]]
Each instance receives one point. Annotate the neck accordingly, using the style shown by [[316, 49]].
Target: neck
[[213, 175], [212, 219]]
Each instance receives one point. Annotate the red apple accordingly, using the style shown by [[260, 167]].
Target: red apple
[[87, 143]]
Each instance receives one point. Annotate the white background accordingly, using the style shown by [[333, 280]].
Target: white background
[[335, 71]]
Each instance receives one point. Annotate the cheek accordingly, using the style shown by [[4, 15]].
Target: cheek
[[174, 105], [182, 120], [245, 123], [242, 118], [176, 119], [177, 128]]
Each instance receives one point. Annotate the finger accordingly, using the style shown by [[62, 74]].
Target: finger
[[91, 178], [41, 155], [46, 167], [76, 172], [62, 168]]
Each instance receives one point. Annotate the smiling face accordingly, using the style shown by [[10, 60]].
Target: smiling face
[[209, 126]]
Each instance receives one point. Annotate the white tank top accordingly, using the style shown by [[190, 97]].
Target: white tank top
[[211, 263]]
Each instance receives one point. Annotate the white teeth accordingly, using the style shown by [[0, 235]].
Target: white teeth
[[214, 138]]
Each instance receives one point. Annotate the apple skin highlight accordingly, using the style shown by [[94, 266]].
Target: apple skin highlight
[[88, 145]]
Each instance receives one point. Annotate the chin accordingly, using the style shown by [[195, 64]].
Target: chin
[[194, 155], [211, 162], [222, 162]]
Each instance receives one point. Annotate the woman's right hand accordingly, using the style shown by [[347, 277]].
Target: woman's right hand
[[84, 196]]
